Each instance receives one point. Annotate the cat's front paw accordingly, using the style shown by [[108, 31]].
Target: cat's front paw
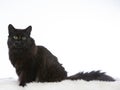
[[22, 84]]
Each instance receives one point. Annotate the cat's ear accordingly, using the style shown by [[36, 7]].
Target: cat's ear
[[28, 30], [11, 28]]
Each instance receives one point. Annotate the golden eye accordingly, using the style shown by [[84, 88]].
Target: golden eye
[[15, 37], [24, 38]]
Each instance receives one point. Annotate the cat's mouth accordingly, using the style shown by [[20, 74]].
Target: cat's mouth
[[18, 46]]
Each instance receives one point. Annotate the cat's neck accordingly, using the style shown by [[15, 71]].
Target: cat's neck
[[21, 57]]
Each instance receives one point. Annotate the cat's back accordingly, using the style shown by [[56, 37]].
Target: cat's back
[[44, 51], [47, 57], [45, 54]]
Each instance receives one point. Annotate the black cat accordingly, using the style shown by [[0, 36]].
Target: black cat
[[36, 63]]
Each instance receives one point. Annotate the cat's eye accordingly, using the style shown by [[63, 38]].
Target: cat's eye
[[15, 37], [24, 38]]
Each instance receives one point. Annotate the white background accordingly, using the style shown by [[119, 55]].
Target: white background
[[83, 34]]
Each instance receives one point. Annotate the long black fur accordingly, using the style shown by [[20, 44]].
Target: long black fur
[[37, 63], [93, 75]]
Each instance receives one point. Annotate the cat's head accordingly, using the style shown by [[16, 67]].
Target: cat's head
[[19, 38]]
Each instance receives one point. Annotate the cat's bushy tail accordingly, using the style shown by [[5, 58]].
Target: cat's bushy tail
[[93, 75]]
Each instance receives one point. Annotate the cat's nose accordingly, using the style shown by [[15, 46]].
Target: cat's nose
[[17, 44]]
